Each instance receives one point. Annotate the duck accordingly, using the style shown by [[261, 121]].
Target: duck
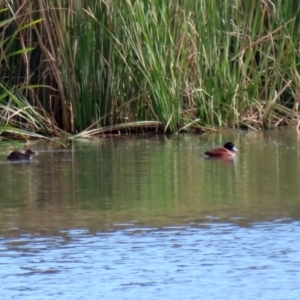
[[17, 155], [227, 151]]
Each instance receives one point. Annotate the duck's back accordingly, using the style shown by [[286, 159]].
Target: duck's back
[[219, 152], [16, 155]]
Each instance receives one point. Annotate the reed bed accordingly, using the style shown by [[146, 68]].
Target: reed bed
[[92, 67]]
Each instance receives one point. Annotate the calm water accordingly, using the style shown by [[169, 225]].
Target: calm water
[[137, 218]]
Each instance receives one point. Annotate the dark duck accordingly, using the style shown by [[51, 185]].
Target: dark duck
[[17, 155]]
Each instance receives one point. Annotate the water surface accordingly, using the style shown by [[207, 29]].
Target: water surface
[[145, 218]]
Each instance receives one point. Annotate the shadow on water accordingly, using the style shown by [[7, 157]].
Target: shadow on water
[[139, 215]]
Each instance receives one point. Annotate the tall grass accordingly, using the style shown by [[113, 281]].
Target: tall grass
[[174, 65], [18, 117]]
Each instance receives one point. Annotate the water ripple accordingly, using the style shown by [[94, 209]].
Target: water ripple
[[176, 262]]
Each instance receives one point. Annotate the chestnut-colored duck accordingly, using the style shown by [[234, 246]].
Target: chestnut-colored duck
[[17, 155], [228, 151]]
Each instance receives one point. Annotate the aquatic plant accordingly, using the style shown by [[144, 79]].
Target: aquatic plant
[[18, 117]]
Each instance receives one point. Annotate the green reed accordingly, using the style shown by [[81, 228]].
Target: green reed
[[18, 117], [168, 65]]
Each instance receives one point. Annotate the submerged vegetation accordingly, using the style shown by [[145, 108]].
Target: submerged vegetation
[[92, 67]]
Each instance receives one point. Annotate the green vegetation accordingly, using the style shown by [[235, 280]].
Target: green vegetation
[[92, 67]]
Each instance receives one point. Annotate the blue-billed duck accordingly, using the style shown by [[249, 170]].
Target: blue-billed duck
[[228, 151]]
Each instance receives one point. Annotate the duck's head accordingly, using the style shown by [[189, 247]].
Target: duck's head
[[230, 146], [29, 152]]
